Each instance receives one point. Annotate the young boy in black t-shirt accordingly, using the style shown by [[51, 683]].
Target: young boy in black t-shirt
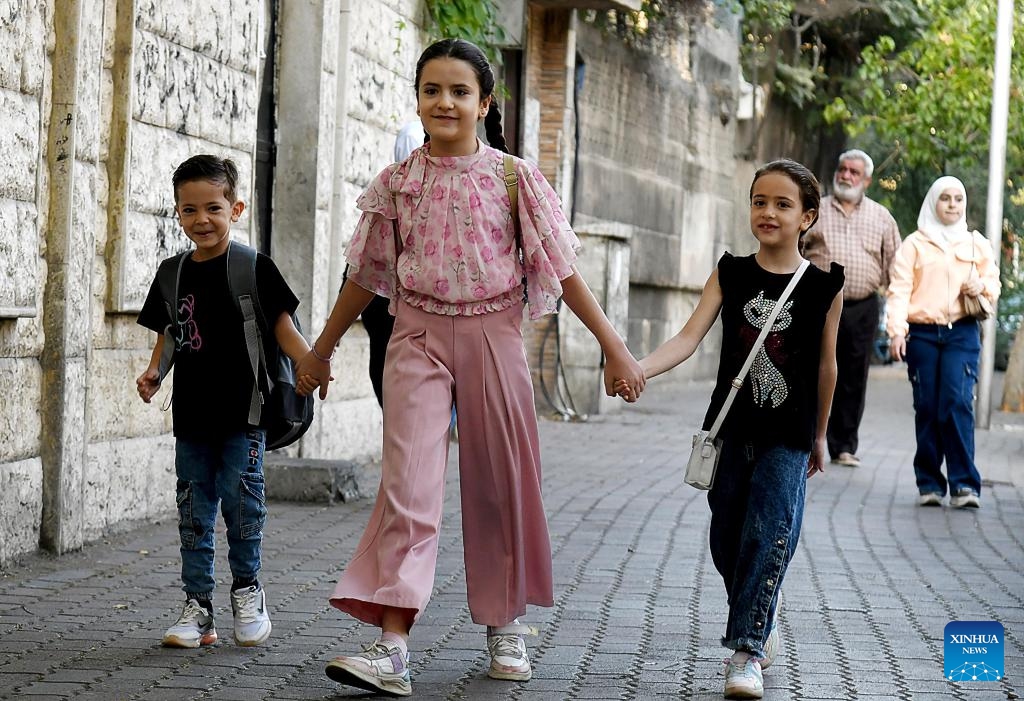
[[218, 454]]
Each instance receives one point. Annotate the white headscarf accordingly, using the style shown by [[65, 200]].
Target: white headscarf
[[928, 221]]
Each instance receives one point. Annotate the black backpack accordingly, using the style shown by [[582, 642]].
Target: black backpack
[[289, 414]]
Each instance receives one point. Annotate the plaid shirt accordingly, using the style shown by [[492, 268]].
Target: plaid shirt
[[863, 242]]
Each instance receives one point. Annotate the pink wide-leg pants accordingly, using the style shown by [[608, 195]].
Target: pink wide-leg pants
[[479, 363]]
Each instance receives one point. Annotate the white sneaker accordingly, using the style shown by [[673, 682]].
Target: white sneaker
[[382, 667], [965, 497], [252, 622], [743, 680], [929, 499], [193, 628], [508, 652]]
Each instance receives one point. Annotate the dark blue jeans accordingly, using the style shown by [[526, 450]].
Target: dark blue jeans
[[757, 507], [942, 363], [227, 473]]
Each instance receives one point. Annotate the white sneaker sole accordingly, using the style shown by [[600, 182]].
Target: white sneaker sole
[[189, 643], [744, 693], [512, 676], [253, 642], [343, 674]]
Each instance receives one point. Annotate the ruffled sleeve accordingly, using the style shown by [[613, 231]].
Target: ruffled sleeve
[[371, 253], [549, 243]]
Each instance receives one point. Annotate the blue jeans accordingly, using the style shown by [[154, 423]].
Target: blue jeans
[[228, 473], [942, 363], [757, 506]]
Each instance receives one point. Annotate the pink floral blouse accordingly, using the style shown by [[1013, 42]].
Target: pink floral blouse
[[458, 251]]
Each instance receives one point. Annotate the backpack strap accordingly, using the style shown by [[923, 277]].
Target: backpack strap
[[242, 287], [512, 187], [168, 276]]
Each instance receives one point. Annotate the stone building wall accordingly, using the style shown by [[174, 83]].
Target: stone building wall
[[656, 169]]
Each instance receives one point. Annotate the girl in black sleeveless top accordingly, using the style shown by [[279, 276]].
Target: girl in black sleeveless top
[[774, 434]]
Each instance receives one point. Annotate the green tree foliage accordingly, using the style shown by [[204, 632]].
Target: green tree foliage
[[802, 51], [656, 24], [473, 20]]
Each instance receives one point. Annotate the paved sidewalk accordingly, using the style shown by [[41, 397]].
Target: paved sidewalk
[[639, 607]]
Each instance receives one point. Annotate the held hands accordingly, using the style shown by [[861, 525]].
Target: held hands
[[148, 383], [627, 382], [312, 372]]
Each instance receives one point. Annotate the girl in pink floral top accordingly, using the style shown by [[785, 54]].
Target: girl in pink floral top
[[437, 237]]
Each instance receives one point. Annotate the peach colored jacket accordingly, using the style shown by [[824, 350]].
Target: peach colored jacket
[[925, 280]]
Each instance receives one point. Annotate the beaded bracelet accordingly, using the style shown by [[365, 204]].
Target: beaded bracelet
[[320, 357]]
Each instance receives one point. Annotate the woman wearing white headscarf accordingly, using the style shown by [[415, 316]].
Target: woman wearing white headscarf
[[933, 270]]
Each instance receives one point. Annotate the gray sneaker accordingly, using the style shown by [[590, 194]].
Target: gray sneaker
[[193, 628], [252, 622]]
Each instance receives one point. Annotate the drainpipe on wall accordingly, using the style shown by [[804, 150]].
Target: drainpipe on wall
[[66, 301]]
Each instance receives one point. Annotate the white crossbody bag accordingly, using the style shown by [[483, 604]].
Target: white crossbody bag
[[700, 469]]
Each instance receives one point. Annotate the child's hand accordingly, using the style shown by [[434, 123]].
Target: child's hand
[[312, 373], [623, 390], [816, 461], [148, 383], [624, 368]]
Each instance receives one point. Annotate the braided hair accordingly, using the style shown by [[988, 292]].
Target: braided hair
[[474, 56]]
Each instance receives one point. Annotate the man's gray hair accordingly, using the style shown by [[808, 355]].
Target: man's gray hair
[[856, 153]]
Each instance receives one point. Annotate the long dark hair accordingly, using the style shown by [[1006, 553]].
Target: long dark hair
[[807, 184], [472, 54]]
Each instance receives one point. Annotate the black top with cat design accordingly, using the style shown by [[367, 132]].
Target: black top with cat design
[[212, 374], [778, 402]]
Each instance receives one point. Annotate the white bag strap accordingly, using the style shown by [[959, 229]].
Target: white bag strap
[[765, 330]]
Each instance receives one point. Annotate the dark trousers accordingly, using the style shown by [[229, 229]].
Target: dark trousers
[[942, 363], [757, 509], [857, 328], [378, 324]]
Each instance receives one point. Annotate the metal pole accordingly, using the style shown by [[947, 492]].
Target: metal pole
[[996, 185]]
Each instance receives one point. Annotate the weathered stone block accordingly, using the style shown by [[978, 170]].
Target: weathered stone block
[[312, 480], [21, 507], [18, 160], [149, 83], [115, 410], [19, 259], [127, 480], [20, 421], [350, 428]]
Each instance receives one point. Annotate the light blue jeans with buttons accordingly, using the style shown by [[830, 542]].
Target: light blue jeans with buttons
[[757, 506], [225, 473]]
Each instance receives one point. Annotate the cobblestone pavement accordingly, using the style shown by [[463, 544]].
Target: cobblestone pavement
[[639, 607]]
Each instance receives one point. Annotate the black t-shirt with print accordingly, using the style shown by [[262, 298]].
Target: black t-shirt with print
[[212, 375], [778, 402]]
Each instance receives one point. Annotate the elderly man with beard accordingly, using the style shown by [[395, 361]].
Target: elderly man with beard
[[862, 236]]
